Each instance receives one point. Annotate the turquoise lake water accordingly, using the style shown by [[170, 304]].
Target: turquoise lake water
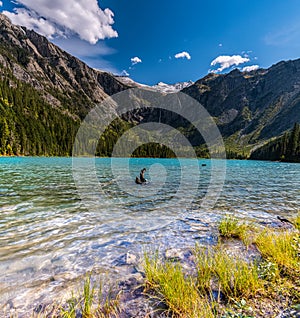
[[48, 228]]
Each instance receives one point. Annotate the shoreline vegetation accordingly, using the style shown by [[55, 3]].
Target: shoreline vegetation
[[136, 157], [252, 271], [45, 94], [29, 126]]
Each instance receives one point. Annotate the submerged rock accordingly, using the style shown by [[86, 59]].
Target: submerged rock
[[131, 259], [177, 255], [8, 306], [127, 259]]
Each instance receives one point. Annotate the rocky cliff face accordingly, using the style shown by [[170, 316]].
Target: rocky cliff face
[[249, 108], [44, 93], [59, 76], [252, 106]]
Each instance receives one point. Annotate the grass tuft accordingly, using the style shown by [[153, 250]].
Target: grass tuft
[[205, 269], [187, 296], [231, 227], [281, 248], [234, 277], [88, 298], [177, 291], [90, 303]]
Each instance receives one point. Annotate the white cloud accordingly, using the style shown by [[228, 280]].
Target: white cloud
[[183, 55], [52, 18], [220, 44], [33, 22], [250, 68], [135, 60], [227, 61], [1, 3]]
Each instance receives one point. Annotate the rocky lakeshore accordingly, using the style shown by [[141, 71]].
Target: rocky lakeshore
[[273, 291]]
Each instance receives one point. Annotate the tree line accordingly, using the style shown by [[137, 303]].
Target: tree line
[[31, 126], [285, 148]]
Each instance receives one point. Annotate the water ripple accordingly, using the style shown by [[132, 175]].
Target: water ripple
[[46, 231]]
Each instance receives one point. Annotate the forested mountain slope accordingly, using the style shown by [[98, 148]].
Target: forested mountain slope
[[46, 92], [284, 148]]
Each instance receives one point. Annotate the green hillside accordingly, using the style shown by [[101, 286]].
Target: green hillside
[[29, 125], [45, 93], [285, 148]]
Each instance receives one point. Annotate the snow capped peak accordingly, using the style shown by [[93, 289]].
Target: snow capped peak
[[162, 84], [159, 87], [171, 88]]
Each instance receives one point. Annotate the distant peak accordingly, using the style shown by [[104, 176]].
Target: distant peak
[[172, 88], [160, 86]]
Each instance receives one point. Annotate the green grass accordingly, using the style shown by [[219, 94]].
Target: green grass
[[234, 277], [92, 302], [88, 298], [177, 291], [282, 249], [231, 279], [204, 260], [188, 296], [231, 227]]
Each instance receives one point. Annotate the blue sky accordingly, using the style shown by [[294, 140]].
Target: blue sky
[[142, 38]]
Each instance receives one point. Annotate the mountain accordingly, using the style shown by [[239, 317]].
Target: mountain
[[46, 92], [284, 148], [251, 107], [171, 88], [159, 87]]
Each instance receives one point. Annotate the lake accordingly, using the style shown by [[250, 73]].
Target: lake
[[51, 226]]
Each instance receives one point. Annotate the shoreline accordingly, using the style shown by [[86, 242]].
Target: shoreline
[[198, 158], [135, 295]]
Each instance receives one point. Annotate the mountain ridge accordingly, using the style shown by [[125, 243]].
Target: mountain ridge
[[249, 108], [259, 105], [159, 87], [45, 66]]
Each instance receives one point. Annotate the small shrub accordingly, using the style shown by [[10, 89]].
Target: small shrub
[[228, 227], [268, 271]]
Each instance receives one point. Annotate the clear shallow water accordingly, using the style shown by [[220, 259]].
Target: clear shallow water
[[49, 236]]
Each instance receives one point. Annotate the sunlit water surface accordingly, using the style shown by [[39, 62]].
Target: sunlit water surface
[[49, 236]]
